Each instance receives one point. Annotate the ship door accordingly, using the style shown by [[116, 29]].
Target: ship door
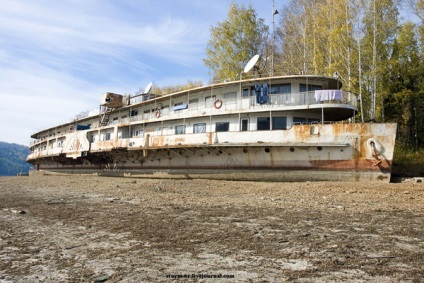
[[244, 124]]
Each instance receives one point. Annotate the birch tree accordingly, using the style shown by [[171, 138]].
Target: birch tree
[[293, 36], [234, 41], [317, 38], [380, 27]]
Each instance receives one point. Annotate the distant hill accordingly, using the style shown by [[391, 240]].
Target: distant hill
[[12, 159]]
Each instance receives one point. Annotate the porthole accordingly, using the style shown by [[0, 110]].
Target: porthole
[[292, 149], [267, 149], [245, 150], [319, 148]]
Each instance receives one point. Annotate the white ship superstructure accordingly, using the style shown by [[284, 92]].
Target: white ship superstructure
[[280, 128]]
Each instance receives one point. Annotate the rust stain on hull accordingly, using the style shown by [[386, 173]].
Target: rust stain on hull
[[312, 148]]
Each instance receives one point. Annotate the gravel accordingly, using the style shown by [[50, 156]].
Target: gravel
[[103, 229]]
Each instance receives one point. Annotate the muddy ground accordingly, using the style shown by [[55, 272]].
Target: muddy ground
[[100, 229]]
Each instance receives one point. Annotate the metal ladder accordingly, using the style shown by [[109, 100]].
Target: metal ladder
[[104, 117]]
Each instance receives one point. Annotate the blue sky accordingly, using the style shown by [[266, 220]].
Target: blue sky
[[57, 57]]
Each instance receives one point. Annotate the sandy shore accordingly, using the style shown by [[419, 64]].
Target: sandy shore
[[99, 229]]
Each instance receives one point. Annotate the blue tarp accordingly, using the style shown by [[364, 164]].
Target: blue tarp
[[82, 127], [179, 107], [261, 93]]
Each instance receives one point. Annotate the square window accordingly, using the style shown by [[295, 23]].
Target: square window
[[135, 133], [263, 124], [304, 87], [222, 126], [199, 128], [299, 120], [279, 123], [244, 125], [210, 100], [180, 130]]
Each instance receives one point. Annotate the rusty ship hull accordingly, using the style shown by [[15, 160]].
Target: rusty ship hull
[[318, 152], [279, 128]]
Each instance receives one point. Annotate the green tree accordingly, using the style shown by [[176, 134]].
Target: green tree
[[234, 41], [404, 96]]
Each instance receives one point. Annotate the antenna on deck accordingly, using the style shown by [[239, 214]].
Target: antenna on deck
[[148, 88], [252, 64]]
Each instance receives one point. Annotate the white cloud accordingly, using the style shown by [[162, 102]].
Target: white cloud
[[35, 96], [68, 29], [57, 57]]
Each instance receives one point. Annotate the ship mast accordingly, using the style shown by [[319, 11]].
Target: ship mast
[[274, 12]]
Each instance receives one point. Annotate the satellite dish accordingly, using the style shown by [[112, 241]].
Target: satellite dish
[[252, 62], [148, 88]]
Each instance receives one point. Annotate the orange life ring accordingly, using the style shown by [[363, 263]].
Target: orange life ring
[[157, 113], [217, 104]]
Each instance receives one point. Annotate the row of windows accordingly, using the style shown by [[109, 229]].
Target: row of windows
[[274, 89], [263, 124], [281, 89], [103, 137], [181, 105]]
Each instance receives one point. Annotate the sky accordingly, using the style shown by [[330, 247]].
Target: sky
[[58, 57]]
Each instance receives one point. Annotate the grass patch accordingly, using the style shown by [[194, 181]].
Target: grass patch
[[407, 162]]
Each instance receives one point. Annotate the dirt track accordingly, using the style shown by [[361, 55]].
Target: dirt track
[[98, 229]]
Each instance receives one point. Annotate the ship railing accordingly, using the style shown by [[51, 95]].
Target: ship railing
[[305, 98], [280, 100], [210, 107], [312, 123], [234, 104]]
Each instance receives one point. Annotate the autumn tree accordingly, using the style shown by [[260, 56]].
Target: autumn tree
[[317, 38], [292, 37], [167, 89], [234, 41], [380, 28], [363, 43]]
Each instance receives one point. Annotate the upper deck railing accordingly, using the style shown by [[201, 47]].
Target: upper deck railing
[[240, 104], [209, 106]]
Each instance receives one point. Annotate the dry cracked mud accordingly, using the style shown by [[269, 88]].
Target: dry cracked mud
[[100, 229]]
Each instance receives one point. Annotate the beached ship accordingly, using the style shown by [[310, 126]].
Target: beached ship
[[278, 128]]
